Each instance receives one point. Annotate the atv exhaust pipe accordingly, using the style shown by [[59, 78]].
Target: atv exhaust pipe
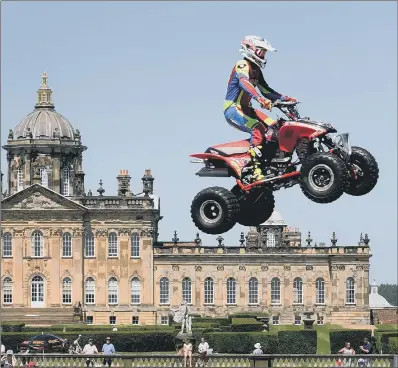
[[210, 172]]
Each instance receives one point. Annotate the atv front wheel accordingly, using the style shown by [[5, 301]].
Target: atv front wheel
[[324, 177], [214, 210], [366, 172], [255, 207]]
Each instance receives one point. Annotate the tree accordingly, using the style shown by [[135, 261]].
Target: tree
[[390, 292]]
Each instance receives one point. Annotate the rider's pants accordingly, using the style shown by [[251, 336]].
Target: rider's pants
[[253, 121]]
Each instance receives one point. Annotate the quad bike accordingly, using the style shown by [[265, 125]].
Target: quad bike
[[325, 167]]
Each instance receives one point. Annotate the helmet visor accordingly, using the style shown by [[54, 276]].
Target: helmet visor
[[260, 53]]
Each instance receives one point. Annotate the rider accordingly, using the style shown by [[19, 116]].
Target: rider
[[245, 77]]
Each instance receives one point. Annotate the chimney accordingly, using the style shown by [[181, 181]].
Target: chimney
[[147, 183], [123, 184]]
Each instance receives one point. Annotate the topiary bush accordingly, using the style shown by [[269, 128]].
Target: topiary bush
[[126, 341], [339, 337], [297, 342], [392, 345], [241, 343], [384, 341]]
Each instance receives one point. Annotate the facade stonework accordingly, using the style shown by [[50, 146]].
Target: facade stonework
[[62, 245]]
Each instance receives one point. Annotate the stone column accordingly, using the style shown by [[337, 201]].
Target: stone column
[[56, 173]]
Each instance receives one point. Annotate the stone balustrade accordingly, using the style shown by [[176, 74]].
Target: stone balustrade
[[146, 360]]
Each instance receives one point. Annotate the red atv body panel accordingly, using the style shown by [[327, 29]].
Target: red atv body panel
[[291, 132]]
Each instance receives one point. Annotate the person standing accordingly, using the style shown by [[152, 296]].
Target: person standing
[[90, 349], [347, 350], [108, 349], [366, 348], [203, 347]]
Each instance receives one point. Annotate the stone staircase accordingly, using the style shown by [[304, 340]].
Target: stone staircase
[[38, 316]]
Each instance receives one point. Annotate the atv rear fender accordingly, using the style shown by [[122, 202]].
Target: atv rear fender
[[222, 166]]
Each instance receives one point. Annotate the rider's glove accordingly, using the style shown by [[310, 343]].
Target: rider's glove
[[287, 98], [266, 104]]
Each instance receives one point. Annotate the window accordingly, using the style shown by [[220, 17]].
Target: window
[[135, 245], [90, 291], [135, 291], [44, 174], [164, 290], [90, 320], [298, 290], [231, 291], [112, 320], [253, 291], [89, 245], [7, 290], [67, 290], [320, 291], [65, 179], [297, 320], [320, 320], [187, 290], [66, 245], [135, 320], [37, 244], [270, 239], [7, 245], [164, 320], [112, 245], [350, 291], [209, 291], [275, 320], [275, 291], [113, 290], [19, 180]]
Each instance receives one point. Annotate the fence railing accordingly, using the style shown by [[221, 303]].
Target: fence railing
[[215, 360]]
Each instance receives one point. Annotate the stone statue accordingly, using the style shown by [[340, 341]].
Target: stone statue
[[183, 314]]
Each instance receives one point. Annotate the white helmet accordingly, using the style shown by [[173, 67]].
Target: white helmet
[[254, 48]]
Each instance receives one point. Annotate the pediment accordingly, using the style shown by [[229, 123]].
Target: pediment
[[37, 198]]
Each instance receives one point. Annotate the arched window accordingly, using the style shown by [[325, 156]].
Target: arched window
[[19, 179], [7, 290], [44, 173], [209, 291], [135, 245], [7, 245], [298, 290], [65, 181], [164, 290], [89, 245], [350, 290], [320, 291], [187, 290], [67, 290], [37, 244], [113, 290], [66, 245], [135, 291], [253, 291], [270, 239], [90, 291], [231, 290], [112, 245], [275, 291]]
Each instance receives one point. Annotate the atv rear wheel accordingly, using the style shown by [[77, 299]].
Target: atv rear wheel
[[366, 172], [324, 177], [214, 210], [255, 207]]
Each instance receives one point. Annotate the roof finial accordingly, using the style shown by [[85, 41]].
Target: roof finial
[[44, 94]]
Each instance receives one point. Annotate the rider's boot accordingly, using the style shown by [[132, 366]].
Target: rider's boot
[[255, 154]]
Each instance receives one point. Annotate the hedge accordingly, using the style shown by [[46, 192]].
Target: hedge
[[339, 337], [219, 321], [247, 315], [245, 325], [392, 345], [241, 343], [384, 341], [126, 341], [297, 342], [12, 326]]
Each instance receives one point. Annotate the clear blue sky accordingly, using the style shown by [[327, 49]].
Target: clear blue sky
[[145, 82]]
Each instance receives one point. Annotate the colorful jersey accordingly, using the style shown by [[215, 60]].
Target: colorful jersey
[[244, 79]]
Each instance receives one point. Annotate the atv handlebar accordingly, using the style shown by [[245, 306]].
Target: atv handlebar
[[288, 108]]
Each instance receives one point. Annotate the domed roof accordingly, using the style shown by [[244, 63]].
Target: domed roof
[[44, 122], [376, 301]]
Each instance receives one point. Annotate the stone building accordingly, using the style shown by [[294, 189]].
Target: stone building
[[62, 245], [381, 311]]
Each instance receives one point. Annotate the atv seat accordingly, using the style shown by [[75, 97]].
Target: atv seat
[[232, 148]]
